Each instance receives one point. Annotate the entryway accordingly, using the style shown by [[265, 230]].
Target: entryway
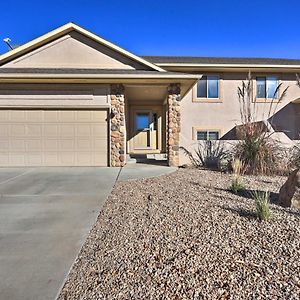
[[146, 130]]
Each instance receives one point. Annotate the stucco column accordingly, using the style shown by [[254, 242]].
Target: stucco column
[[173, 124], [117, 126]]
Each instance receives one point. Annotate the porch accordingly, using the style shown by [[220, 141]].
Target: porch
[[145, 122]]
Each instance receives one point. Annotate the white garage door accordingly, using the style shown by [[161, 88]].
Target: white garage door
[[53, 137]]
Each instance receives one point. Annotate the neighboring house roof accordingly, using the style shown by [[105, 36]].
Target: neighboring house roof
[[46, 38], [221, 61]]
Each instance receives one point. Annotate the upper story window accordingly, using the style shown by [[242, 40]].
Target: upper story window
[[208, 87], [266, 87]]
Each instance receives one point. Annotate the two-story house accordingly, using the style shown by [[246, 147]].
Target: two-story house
[[72, 98]]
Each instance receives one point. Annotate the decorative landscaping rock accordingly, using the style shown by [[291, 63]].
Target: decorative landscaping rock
[[289, 194], [191, 239]]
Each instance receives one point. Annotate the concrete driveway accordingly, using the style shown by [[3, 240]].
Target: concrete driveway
[[45, 216]]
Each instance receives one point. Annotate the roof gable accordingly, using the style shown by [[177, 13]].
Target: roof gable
[[71, 46]]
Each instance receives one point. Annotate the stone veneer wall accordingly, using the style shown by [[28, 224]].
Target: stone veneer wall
[[117, 126], [173, 124]]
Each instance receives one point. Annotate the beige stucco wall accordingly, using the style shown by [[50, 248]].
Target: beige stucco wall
[[54, 95], [74, 51], [225, 115]]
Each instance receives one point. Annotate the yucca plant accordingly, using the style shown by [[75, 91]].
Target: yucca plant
[[258, 151], [209, 154], [262, 205], [236, 183]]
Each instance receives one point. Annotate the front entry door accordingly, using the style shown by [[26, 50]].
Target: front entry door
[[143, 130]]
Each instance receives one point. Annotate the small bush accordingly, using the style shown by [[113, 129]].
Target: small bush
[[260, 154], [262, 204], [236, 184], [209, 154]]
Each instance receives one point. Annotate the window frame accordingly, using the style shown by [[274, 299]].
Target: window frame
[[206, 99], [196, 129], [266, 99]]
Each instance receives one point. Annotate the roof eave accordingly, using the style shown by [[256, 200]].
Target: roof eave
[[186, 81], [263, 66], [99, 76]]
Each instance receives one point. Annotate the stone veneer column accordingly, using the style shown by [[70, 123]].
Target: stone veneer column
[[117, 126], [173, 124]]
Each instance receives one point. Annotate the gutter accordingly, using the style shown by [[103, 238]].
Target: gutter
[[98, 76], [183, 65]]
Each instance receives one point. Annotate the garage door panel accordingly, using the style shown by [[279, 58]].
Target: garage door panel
[[53, 138], [101, 117], [17, 130], [51, 130], [97, 130], [17, 116], [50, 116], [67, 158], [66, 145], [85, 157], [17, 158], [17, 144], [4, 131], [50, 144], [4, 159], [4, 115], [51, 159], [34, 130], [67, 130], [66, 116], [84, 130], [84, 144], [34, 145], [85, 116], [4, 144], [34, 116], [34, 159]]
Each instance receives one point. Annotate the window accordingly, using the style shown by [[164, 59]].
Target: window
[[266, 87], [142, 121], [208, 87], [205, 135]]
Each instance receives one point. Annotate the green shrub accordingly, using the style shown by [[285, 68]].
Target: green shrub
[[262, 204], [236, 185]]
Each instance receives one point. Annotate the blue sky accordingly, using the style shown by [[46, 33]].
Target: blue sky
[[199, 28]]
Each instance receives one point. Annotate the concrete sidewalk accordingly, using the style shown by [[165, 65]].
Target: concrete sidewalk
[[139, 171]]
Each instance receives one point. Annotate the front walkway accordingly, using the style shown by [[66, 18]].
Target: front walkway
[[139, 171], [45, 217]]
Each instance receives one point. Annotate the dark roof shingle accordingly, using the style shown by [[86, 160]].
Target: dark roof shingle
[[221, 60]]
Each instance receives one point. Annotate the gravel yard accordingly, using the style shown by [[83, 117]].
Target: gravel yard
[[185, 236]]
